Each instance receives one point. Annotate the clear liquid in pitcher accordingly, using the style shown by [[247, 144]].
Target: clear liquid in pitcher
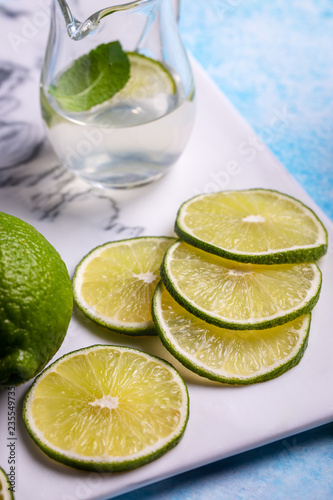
[[127, 141]]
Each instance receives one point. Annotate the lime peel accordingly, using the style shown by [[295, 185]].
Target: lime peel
[[36, 301]]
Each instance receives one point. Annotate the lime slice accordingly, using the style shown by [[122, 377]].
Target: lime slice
[[235, 295], [107, 408], [228, 356], [256, 225], [114, 284], [148, 78], [5, 492]]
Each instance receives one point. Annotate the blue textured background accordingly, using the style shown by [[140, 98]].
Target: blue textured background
[[266, 57]]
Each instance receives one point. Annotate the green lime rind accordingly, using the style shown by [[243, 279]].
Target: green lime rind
[[5, 492], [216, 375], [96, 465], [222, 322], [288, 256], [100, 466], [136, 329], [298, 256]]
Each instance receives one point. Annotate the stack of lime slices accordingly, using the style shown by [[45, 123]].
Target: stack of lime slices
[[239, 286], [233, 305]]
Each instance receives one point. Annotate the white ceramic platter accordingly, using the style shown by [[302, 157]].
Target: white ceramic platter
[[223, 153]]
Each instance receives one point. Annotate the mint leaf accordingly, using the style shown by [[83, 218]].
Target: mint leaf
[[93, 78]]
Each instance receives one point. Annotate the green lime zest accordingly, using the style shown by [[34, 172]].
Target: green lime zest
[[36, 301]]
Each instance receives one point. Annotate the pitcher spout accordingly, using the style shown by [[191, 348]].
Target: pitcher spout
[[77, 30], [72, 24]]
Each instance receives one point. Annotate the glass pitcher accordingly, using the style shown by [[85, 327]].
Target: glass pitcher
[[117, 92]]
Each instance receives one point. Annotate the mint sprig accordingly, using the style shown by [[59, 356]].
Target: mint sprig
[[93, 78]]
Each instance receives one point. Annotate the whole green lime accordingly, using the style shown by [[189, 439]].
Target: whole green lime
[[35, 301]]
